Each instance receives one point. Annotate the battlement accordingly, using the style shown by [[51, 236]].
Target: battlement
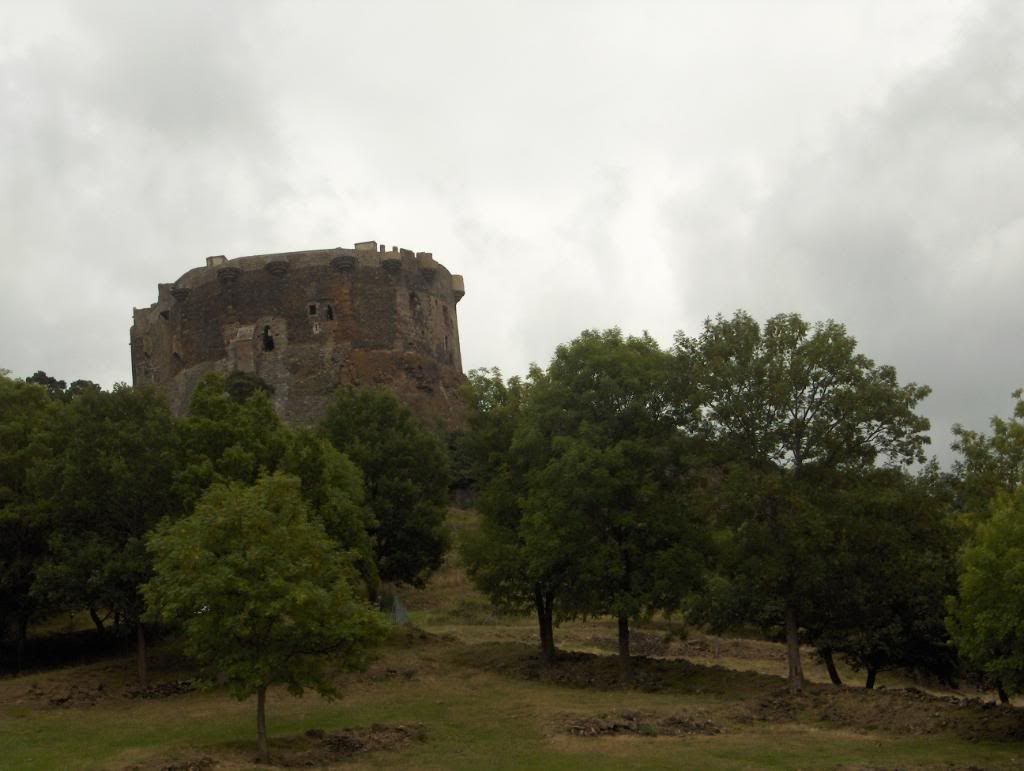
[[366, 255]]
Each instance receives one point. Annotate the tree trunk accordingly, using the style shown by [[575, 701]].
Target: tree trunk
[[796, 669], [97, 620], [261, 724], [140, 654], [625, 662], [22, 638], [543, 601], [1004, 697], [870, 682], [830, 665]]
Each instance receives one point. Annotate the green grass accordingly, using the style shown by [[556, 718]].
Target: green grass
[[472, 718], [475, 714]]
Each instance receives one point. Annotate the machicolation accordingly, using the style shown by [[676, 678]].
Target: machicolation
[[306, 323]]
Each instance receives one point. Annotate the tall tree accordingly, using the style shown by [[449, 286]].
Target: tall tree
[[787, 402], [261, 592], [607, 429], [117, 474], [28, 441], [892, 563], [495, 556], [405, 471]]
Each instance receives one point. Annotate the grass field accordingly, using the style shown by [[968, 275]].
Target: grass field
[[467, 692]]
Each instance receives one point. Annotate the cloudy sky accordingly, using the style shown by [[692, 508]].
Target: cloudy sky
[[645, 164]]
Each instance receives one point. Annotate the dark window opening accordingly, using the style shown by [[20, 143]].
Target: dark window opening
[[330, 313], [446, 342], [268, 339], [312, 309], [165, 315], [414, 302]]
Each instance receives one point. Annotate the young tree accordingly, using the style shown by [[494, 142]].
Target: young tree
[[260, 591], [405, 470], [787, 403], [985, 619]]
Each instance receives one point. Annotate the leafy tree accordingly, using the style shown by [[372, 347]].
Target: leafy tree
[[117, 471], [232, 434], [405, 471], [985, 619], [990, 463], [893, 557], [261, 593], [610, 417], [495, 556], [58, 389], [788, 404], [332, 485], [27, 443], [228, 435]]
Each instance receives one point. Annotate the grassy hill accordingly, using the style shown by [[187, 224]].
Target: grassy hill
[[464, 689]]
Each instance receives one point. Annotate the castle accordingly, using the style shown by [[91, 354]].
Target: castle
[[307, 322]]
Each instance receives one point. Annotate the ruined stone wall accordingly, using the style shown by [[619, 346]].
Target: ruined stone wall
[[307, 322]]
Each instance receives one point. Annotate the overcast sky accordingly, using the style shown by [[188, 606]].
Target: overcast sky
[[639, 163]]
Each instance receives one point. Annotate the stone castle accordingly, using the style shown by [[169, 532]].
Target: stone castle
[[306, 323]]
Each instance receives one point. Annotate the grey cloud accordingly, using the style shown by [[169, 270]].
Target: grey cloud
[[908, 227]]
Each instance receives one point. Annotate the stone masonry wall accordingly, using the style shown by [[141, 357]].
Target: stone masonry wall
[[307, 322]]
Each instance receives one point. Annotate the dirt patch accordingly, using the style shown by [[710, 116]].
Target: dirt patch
[[586, 670], [641, 644], [636, 723], [162, 690], [906, 711], [318, 747], [315, 748], [62, 695]]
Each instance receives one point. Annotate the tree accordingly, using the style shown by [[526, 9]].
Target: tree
[[495, 556], [117, 472], [985, 620], [260, 591], [332, 485], [990, 463], [230, 434], [405, 471], [28, 442], [601, 452], [787, 404], [893, 561]]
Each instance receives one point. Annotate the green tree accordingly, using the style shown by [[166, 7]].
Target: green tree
[[332, 485], [261, 593], [28, 441], [893, 561], [231, 434], [495, 556], [405, 471], [989, 463], [602, 442], [986, 620], [117, 473], [789, 403]]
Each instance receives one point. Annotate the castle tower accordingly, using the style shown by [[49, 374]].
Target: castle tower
[[307, 322]]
